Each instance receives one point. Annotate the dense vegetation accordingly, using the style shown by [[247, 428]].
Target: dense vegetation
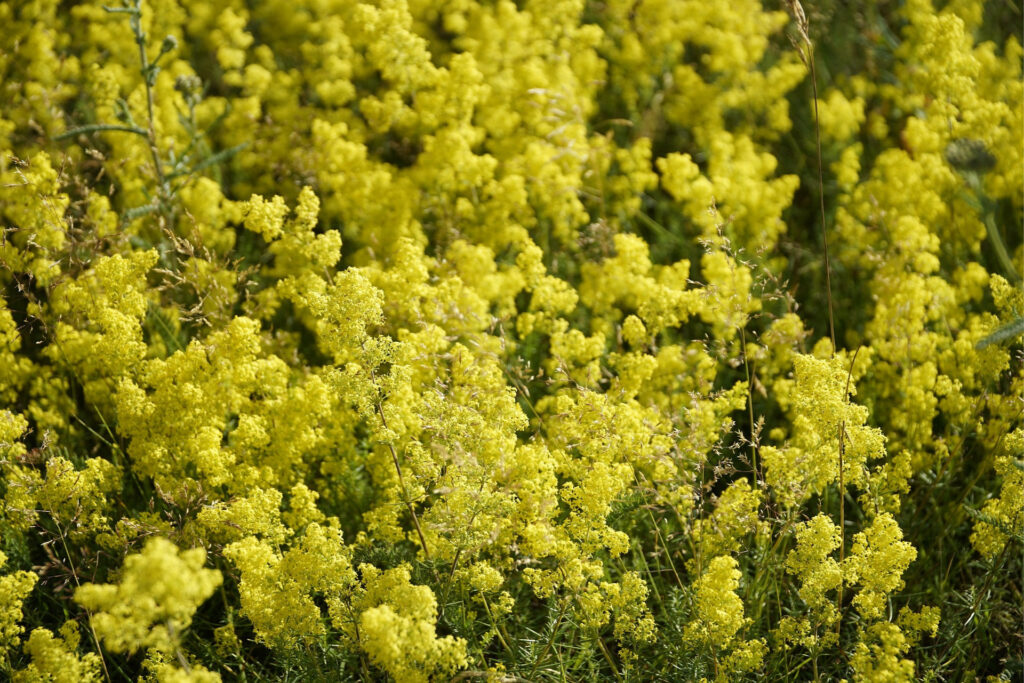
[[521, 341]]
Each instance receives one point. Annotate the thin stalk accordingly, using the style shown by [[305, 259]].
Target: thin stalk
[[608, 658], [842, 502], [100, 128], [551, 641], [498, 628], [179, 655], [797, 10], [821, 198], [401, 478], [405, 491], [842, 532], [458, 553], [750, 403], [658, 535], [88, 613], [1001, 252], [147, 79], [988, 217]]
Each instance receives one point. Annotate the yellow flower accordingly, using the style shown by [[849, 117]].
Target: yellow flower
[[152, 603]]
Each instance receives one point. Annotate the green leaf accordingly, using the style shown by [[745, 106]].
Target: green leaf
[[1012, 329]]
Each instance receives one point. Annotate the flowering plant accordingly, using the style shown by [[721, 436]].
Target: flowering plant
[[538, 340]]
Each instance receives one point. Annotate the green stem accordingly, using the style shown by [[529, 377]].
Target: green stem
[[1001, 252], [988, 217], [100, 128]]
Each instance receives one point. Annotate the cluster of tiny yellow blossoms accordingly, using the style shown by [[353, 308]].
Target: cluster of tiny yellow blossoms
[[497, 340]]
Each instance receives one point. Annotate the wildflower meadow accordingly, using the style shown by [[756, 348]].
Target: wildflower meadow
[[511, 340]]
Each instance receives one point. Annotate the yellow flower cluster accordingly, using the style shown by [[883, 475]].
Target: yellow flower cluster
[[1003, 517], [718, 619], [154, 599], [473, 339], [813, 564], [277, 590], [396, 628], [14, 588], [55, 658]]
